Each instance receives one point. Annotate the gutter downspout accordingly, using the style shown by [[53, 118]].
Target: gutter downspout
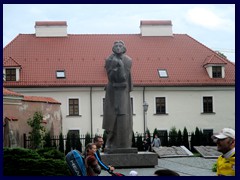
[[144, 118], [91, 111]]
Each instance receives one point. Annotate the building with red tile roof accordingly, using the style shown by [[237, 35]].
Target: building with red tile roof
[[184, 82], [18, 108]]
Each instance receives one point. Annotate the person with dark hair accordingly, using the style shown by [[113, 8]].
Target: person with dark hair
[[165, 172], [117, 111], [92, 166], [225, 141], [147, 143], [98, 140]]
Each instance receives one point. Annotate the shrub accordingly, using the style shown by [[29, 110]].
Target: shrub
[[27, 162], [214, 167], [172, 137], [50, 153], [185, 138]]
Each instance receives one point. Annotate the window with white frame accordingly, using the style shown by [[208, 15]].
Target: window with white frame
[[160, 105], [208, 104], [73, 106]]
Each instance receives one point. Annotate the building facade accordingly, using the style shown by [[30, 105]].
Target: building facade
[[184, 83]]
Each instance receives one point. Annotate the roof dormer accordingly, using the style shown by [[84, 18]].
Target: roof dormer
[[215, 66], [11, 69], [156, 28], [51, 28]]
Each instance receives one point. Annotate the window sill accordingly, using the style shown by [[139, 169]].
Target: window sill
[[166, 114], [102, 115], [212, 113], [73, 115]]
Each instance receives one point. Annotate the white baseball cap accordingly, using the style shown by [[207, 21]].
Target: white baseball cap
[[225, 132], [133, 173]]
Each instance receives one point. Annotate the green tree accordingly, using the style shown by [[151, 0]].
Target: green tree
[[61, 143], [139, 142], [68, 143], [197, 137], [87, 139], [155, 131], [173, 136], [78, 144], [179, 138], [47, 139], [193, 142], [185, 138], [36, 134]]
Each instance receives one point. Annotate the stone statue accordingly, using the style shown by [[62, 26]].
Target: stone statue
[[117, 115]]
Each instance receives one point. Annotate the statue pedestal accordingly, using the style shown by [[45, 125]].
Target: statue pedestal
[[120, 150], [130, 160]]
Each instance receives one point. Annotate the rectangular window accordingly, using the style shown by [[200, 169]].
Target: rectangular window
[[160, 105], [162, 73], [217, 72], [207, 105], [10, 74], [73, 107], [60, 74]]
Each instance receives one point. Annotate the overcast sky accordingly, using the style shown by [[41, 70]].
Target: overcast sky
[[211, 24]]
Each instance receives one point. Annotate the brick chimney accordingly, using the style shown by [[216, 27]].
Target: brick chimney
[[156, 28], [51, 28]]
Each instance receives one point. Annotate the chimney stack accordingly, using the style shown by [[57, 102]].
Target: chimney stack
[[156, 28], [51, 28]]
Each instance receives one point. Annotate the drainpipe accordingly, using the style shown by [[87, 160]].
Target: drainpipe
[[144, 118], [91, 111]]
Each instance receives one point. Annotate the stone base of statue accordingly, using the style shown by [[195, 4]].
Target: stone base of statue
[[120, 150], [129, 158]]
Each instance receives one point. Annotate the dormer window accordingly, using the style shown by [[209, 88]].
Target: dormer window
[[11, 74], [215, 66], [60, 74], [217, 72], [162, 73]]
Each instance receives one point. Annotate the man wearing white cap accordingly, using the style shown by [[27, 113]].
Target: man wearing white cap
[[226, 144]]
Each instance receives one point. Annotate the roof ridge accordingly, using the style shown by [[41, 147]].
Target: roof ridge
[[209, 49]]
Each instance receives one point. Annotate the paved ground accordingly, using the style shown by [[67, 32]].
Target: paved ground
[[185, 166]]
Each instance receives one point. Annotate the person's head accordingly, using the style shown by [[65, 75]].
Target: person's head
[[119, 47], [156, 136], [91, 148], [133, 173], [165, 172], [98, 140], [225, 140]]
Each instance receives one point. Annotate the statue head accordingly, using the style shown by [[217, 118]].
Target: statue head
[[119, 47]]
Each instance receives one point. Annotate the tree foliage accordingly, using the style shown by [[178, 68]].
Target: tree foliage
[[36, 134]]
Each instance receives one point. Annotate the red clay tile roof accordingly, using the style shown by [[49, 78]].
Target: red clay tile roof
[[10, 62], [156, 22], [214, 59], [7, 92], [41, 99], [50, 23], [83, 57]]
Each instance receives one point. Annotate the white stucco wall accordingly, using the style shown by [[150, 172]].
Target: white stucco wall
[[184, 107]]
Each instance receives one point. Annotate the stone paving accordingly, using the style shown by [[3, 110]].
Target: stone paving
[[185, 166], [181, 160]]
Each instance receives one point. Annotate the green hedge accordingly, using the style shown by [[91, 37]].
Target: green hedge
[[27, 162]]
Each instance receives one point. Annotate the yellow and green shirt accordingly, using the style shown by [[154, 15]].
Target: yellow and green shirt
[[226, 165]]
